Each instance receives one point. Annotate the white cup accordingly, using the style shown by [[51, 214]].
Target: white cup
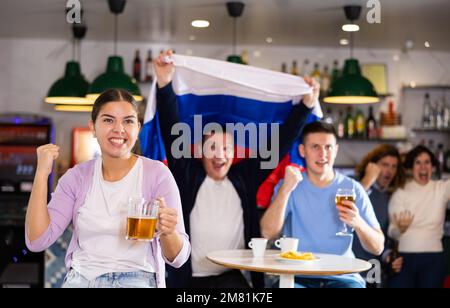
[[258, 246], [287, 244]]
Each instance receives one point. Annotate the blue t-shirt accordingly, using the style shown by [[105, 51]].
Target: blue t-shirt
[[312, 217]]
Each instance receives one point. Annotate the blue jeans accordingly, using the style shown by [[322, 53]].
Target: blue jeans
[[333, 283], [141, 279], [420, 270]]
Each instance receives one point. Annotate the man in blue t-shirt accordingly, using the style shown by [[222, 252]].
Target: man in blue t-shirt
[[304, 208]]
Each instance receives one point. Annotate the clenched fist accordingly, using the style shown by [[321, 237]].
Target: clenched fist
[[46, 155], [292, 177], [373, 171], [164, 71], [311, 99]]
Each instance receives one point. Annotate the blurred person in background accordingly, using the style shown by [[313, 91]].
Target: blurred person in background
[[381, 173], [417, 216]]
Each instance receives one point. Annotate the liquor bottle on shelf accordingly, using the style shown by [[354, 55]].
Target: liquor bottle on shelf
[[433, 115], [431, 146], [329, 118], [294, 70], [303, 71], [341, 125], [445, 114], [360, 124], [149, 67], [316, 73], [137, 67], [392, 115], [325, 81], [245, 57], [349, 124], [335, 73], [426, 111], [371, 126], [442, 114], [390, 118], [284, 68]]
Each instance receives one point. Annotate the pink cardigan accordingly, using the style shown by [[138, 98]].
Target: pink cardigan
[[70, 195]]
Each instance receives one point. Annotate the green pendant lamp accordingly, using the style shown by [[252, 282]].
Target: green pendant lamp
[[352, 87], [235, 10], [115, 76], [72, 88]]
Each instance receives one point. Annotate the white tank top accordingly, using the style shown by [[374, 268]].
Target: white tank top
[[102, 227]]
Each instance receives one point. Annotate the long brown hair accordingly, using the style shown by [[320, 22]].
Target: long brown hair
[[375, 156]]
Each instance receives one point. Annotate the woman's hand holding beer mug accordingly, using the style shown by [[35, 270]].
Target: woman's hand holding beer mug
[[170, 239], [167, 219]]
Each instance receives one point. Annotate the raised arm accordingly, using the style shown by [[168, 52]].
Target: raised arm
[[292, 128], [37, 219], [370, 176], [166, 99], [273, 219]]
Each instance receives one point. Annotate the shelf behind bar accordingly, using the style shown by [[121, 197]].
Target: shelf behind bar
[[429, 130], [427, 87], [371, 140]]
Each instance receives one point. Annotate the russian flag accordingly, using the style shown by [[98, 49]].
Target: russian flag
[[224, 92]]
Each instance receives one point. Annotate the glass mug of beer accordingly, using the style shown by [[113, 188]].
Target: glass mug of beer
[[141, 219], [341, 195]]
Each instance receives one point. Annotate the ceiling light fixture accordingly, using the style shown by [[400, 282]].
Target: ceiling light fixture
[[200, 23], [235, 10], [352, 87], [343, 42], [350, 28], [352, 13], [115, 77], [72, 88]]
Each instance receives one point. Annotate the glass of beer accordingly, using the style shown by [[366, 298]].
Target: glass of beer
[[141, 219], [347, 195]]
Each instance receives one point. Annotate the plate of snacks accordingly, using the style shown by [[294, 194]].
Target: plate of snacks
[[297, 257]]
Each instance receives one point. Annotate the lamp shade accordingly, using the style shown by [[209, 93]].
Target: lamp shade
[[352, 87], [71, 89], [114, 78], [74, 108]]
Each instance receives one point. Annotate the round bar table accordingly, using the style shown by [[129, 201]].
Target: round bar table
[[327, 265]]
